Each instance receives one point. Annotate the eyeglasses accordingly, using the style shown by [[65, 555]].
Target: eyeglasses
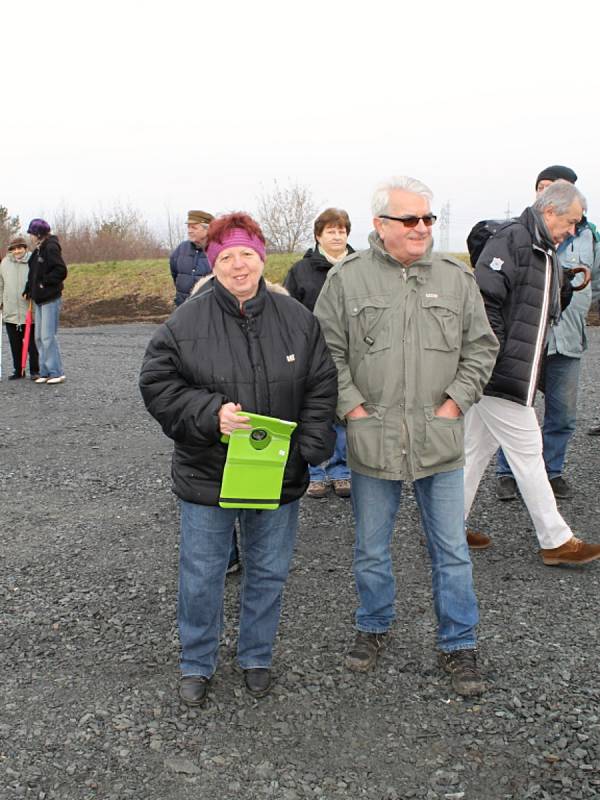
[[410, 221]]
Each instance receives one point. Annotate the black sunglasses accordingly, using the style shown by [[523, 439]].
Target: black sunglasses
[[411, 221]]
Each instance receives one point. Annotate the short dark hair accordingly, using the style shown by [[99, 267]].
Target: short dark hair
[[332, 216]]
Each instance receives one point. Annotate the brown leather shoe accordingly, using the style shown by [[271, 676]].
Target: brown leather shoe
[[342, 487], [193, 689], [318, 489], [572, 552], [477, 540]]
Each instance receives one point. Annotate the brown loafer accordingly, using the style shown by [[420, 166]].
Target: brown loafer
[[477, 540], [572, 552]]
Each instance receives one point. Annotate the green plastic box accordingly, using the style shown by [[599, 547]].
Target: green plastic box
[[256, 460]]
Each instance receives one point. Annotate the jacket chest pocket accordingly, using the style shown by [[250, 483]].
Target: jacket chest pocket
[[441, 322], [369, 323]]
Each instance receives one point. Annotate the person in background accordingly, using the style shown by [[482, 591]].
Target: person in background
[[236, 347], [188, 261], [413, 347], [304, 282], [47, 273], [565, 346], [524, 290], [13, 278]]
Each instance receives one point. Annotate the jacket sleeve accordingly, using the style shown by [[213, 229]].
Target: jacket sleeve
[[188, 414], [291, 284], [495, 275], [173, 264], [330, 310], [56, 269], [479, 348], [316, 434]]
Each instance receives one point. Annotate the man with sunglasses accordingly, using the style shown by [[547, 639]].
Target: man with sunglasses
[[188, 261], [408, 332], [523, 291]]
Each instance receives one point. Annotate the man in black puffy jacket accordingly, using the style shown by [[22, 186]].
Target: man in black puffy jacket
[[520, 281]]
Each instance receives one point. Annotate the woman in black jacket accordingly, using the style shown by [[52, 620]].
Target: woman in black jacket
[[47, 272], [236, 347]]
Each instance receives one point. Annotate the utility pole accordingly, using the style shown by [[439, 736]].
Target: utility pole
[[507, 212], [445, 227]]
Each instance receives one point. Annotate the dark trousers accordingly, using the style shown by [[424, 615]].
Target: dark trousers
[[15, 335]]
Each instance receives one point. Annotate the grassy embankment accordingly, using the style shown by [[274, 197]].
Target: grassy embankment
[[136, 291]]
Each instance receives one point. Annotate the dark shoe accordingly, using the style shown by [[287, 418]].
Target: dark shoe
[[193, 689], [477, 540], [317, 489], [15, 376], [365, 651], [258, 681], [234, 566], [461, 665], [594, 430], [34, 376], [561, 489], [342, 487], [572, 552], [506, 488]]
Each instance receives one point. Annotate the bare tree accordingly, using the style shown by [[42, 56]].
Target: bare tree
[[176, 231], [9, 227], [286, 216]]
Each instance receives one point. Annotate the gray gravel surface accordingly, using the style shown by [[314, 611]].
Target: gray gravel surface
[[88, 642]]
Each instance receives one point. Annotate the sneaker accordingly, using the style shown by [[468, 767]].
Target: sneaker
[[572, 552], [41, 379], [317, 489], [342, 487], [59, 379], [461, 665], [506, 488], [477, 540], [365, 651], [594, 430], [560, 487]]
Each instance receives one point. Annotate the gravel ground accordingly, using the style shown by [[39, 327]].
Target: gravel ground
[[88, 643]]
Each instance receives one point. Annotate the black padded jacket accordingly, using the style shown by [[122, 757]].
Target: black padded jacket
[[518, 275], [306, 277], [271, 359]]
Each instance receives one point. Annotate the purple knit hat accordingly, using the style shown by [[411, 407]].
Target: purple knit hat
[[235, 237], [38, 227]]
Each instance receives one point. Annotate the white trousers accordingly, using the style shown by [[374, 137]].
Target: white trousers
[[494, 422]]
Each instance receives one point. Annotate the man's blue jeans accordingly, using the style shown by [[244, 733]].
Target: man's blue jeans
[[46, 327], [441, 503], [336, 468], [561, 382], [267, 540]]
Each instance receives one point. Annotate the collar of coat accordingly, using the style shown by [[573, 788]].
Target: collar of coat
[[376, 245], [231, 305]]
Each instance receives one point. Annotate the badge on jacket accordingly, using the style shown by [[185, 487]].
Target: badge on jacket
[[496, 263]]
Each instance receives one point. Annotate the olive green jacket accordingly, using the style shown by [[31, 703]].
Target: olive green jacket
[[404, 339]]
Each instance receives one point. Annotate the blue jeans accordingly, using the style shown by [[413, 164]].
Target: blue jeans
[[46, 327], [336, 468], [561, 382], [267, 539], [441, 503]]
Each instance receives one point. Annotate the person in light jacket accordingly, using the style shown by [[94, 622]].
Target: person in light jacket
[[13, 278]]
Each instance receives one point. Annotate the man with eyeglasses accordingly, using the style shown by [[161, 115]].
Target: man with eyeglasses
[[408, 332], [188, 261], [523, 290]]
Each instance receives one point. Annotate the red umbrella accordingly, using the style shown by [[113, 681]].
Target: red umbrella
[[26, 338]]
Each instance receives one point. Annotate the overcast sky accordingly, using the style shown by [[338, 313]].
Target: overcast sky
[[165, 106]]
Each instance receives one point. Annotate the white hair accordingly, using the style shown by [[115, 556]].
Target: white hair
[[560, 195], [381, 195]]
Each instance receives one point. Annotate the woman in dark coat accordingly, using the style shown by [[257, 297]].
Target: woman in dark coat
[[47, 272], [235, 347]]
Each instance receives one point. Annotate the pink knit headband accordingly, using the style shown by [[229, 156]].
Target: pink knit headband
[[236, 237]]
